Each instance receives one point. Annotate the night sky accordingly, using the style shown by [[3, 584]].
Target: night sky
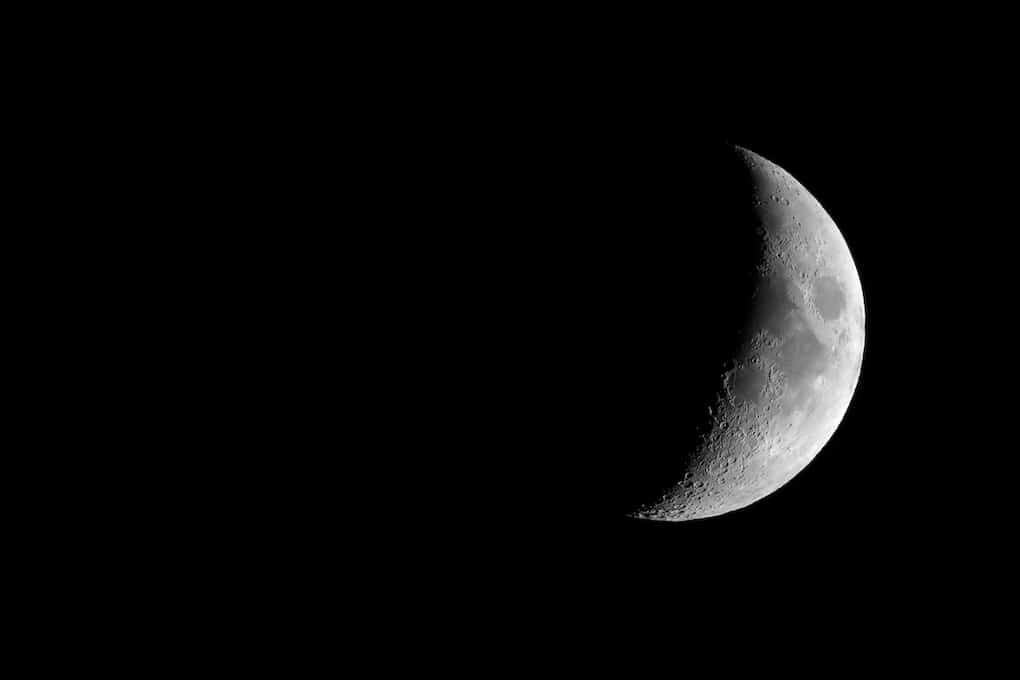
[[589, 375], [556, 259]]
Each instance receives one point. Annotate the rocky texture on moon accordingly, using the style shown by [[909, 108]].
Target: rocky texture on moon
[[783, 394]]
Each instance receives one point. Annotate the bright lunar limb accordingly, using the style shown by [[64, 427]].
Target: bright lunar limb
[[785, 392]]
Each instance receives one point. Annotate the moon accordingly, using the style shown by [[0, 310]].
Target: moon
[[781, 395]]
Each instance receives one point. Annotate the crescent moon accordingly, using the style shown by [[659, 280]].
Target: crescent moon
[[792, 381]]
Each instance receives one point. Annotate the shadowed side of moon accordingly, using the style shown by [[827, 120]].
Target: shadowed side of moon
[[629, 321], [663, 304]]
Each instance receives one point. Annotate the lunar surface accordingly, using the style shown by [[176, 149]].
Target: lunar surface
[[783, 393]]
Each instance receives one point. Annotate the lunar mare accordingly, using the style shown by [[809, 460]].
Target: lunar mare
[[786, 391]]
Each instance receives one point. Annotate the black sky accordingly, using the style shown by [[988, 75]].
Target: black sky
[[888, 506]]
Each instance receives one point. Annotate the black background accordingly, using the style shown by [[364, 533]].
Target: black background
[[541, 240], [574, 276], [472, 345]]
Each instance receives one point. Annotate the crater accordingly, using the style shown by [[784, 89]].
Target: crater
[[748, 385]]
